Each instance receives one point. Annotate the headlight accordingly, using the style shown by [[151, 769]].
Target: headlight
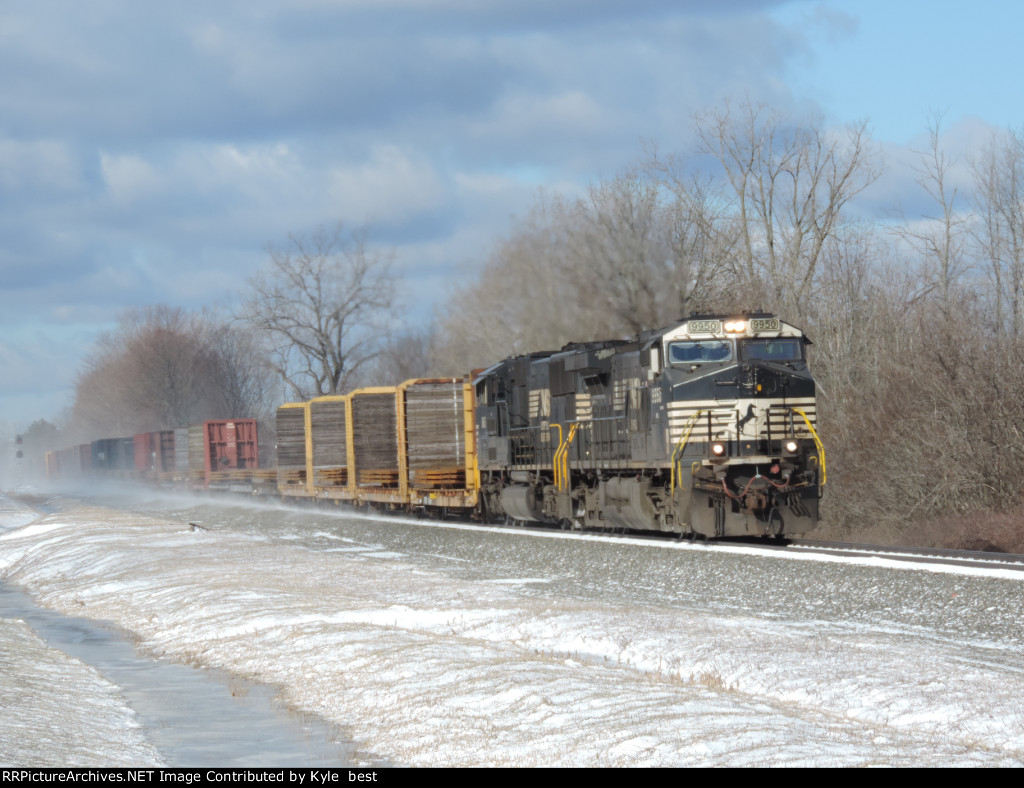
[[718, 449], [791, 446], [735, 326]]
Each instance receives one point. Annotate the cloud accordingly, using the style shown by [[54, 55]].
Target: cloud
[[899, 193], [148, 152], [570, 114], [391, 187], [128, 177], [38, 166]]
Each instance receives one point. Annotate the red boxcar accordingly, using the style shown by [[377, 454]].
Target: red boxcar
[[230, 453], [154, 454]]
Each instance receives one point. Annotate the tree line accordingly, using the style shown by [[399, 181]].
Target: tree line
[[917, 323]]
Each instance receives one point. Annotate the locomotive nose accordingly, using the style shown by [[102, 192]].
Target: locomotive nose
[[760, 380]]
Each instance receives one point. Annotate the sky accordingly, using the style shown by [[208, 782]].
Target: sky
[[149, 153]]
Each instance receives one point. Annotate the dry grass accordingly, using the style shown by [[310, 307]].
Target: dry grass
[[711, 679], [999, 532], [979, 530]]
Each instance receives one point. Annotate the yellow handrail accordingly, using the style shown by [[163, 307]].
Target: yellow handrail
[[565, 454], [554, 459], [683, 438], [561, 460], [817, 442]]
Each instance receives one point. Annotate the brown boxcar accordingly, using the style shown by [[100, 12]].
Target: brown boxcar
[[230, 452]]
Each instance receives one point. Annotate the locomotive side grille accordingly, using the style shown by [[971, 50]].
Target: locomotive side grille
[[619, 395], [540, 403], [584, 408], [620, 391]]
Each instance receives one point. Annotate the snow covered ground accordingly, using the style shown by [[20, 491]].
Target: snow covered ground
[[442, 645]]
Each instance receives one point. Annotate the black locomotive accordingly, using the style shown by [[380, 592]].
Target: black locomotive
[[707, 427]]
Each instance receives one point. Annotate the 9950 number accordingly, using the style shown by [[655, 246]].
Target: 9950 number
[[764, 324], [704, 326]]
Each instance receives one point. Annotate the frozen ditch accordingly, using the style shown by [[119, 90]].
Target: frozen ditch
[[74, 692]]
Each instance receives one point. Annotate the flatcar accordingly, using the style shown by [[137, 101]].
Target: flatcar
[[408, 447]]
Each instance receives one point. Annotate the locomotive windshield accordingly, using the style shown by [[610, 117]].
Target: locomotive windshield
[[706, 352], [771, 350]]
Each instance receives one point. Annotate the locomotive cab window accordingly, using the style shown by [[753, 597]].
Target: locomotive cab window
[[779, 350], [490, 391], [705, 352]]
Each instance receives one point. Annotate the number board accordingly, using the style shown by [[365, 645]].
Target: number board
[[704, 327], [764, 324]]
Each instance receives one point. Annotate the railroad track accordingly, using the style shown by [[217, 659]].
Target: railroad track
[[921, 555], [931, 555]]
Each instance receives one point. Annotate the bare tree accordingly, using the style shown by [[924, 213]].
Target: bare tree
[[788, 185], [941, 238], [641, 253], [634, 253], [703, 237], [999, 201], [616, 250], [405, 355], [163, 368], [243, 382], [522, 301], [145, 375], [323, 306]]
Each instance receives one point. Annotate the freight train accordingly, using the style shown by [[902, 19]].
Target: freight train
[[705, 428], [214, 455]]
